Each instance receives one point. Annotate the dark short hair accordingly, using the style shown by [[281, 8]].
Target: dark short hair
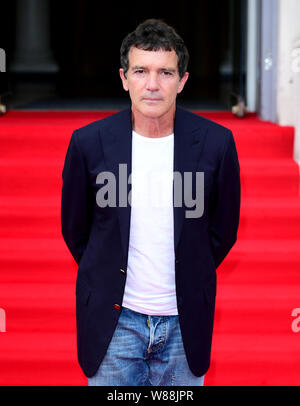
[[154, 35]]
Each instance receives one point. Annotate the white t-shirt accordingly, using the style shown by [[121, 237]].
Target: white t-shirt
[[150, 283]]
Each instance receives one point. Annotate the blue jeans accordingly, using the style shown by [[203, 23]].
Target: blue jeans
[[144, 351]]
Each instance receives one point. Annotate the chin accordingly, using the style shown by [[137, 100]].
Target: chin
[[154, 111], [151, 110]]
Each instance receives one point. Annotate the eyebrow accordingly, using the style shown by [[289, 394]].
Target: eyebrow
[[143, 67]]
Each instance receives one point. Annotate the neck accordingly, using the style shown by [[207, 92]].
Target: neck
[[153, 127]]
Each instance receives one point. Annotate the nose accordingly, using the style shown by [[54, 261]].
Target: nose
[[152, 82]]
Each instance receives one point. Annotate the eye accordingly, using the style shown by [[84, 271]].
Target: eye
[[166, 73], [139, 71]]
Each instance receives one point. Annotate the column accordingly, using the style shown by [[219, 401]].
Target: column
[[33, 53]]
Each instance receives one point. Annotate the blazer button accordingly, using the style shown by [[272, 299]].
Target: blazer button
[[122, 270], [116, 306]]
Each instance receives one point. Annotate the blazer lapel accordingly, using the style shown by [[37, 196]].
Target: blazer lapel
[[117, 145], [189, 139]]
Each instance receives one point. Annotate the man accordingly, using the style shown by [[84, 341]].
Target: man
[[146, 282]]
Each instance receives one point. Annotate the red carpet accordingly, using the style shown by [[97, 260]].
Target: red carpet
[[258, 283]]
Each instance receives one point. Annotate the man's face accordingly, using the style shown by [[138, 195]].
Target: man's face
[[153, 81]]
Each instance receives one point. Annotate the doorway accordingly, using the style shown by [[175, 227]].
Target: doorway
[[86, 38]]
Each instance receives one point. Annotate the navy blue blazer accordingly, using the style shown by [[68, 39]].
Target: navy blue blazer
[[98, 237]]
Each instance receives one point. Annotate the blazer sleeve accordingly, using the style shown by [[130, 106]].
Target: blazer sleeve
[[226, 203], [76, 201]]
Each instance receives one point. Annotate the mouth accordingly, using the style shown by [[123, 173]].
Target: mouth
[[151, 99]]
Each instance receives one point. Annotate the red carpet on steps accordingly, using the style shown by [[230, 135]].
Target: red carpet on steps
[[258, 283]]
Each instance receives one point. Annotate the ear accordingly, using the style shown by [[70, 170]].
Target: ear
[[124, 80], [182, 82]]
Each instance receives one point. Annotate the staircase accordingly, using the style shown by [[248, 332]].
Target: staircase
[[258, 283]]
